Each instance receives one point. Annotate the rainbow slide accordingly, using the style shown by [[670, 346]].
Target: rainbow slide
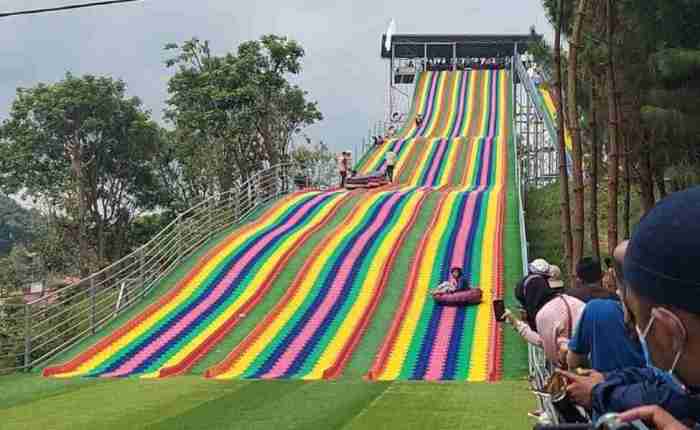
[[313, 330], [457, 158], [171, 335], [551, 107], [432, 342], [459, 110]]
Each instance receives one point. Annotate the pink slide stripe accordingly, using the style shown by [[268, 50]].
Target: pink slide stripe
[[494, 104], [295, 347], [438, 355], [463, 234], [437, 159]]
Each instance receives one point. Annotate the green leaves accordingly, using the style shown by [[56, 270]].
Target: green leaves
[[242, 102], [82, 139]]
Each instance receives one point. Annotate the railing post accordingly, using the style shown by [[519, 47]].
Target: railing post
[[93, 316], [178, 231], [142, 269], [27, 337], [235, 198], [210, 214]]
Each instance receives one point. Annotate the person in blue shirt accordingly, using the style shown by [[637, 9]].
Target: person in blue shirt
[[601, 340]]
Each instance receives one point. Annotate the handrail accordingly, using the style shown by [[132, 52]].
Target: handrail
[[534, 95], [58, 320], [538, 368]]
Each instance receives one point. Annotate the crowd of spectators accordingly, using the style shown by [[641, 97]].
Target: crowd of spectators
[[446, 64], [626, 342]]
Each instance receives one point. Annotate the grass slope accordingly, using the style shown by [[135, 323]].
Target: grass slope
[[191, 402]]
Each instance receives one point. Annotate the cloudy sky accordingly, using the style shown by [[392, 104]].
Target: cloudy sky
[[342, 69]]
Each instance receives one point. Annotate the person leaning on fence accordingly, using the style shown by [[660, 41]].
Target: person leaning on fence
[[588, 282], [660, 289], [550, 317], [601, 340]]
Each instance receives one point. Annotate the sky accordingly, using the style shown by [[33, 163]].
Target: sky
[[342, 70]]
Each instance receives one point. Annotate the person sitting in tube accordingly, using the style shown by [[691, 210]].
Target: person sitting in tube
[[456, 283]]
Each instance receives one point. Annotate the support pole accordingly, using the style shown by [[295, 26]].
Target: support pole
[[142, 269], [27, 337], [93, 310], [180, 249]]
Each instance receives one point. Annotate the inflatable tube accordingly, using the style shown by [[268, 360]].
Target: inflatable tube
[[471, 296]]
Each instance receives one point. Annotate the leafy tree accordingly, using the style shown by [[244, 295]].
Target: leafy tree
[[316, 161], [84, 146], [15, 224], [239, 108]]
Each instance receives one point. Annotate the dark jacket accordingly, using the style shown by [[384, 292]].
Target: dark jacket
[[633, 387]]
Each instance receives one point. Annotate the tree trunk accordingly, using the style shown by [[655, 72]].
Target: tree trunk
[[578, 221], [76, 156], [593, 212], [646, 181], [628, 188], [563, 174], [613, 144], [660, 183]]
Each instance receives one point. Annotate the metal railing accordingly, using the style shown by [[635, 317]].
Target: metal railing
[[539, 368], [534, 95], [31, 333]]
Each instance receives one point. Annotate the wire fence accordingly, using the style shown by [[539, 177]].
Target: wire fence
[[31, 333]]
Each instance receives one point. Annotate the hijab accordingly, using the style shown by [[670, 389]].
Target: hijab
[[533, 293]]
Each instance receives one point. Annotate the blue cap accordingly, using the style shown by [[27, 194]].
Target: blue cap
[[662, 262]]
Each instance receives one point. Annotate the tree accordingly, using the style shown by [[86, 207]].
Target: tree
[[315, 161], [613, 121], [567, 241], [241, 105], [87, 148], [574, 126]]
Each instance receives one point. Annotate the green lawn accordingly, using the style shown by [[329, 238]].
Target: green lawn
[[31, 402]]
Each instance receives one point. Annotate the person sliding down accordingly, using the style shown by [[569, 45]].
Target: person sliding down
[[390, 163], [456, 291], [455, 283]]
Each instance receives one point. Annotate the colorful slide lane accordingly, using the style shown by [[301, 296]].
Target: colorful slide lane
[[468, 104], [314, 329], [549, 103], [171, 335], [431, 342]]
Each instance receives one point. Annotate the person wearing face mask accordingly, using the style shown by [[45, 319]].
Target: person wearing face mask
[[660, 290]]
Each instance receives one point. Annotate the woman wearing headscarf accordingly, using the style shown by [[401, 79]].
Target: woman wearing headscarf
[[550, 316]]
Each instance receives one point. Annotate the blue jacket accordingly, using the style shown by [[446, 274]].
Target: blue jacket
[[633, 387]]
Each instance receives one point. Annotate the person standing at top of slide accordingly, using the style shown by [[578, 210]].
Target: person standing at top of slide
[[342, 168], [390, 163]]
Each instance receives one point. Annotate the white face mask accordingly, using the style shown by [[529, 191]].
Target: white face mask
[[647, 355]]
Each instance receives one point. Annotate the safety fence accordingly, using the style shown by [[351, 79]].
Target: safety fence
[[33, 332], [539, 369]]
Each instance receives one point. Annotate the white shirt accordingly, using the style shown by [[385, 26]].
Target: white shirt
[[390, 158]]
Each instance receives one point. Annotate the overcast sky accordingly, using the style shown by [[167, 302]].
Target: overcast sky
[[342, 69]]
